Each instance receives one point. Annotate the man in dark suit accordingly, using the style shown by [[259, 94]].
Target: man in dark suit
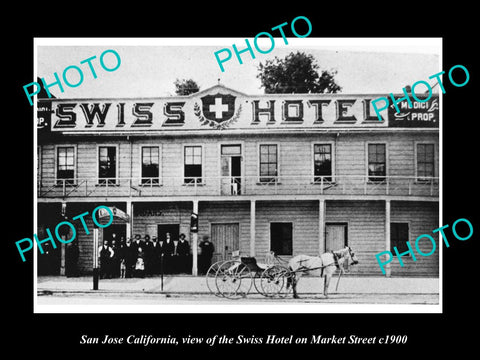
[[147, 249], [206, 253], [155, 255], [105, 253], [137, 242], [167, 254], [184, 255], [129, 254]]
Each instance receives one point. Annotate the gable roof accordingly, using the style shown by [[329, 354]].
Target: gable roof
[[220, 89]]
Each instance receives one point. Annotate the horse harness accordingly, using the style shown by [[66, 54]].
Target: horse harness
[[335, 259]]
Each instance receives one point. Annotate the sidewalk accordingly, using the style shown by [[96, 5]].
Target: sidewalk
[[198, 285]]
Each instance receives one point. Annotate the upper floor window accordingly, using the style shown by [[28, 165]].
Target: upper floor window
[[150, 165], [107, 164], [377, 167], [322, 162], [425, 161], [65, 165], [192, 164], [268, 163]]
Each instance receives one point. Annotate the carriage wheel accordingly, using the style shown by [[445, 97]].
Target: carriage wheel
[[233, 280], [257, 282], [287, 287], [273, 280], [210, 277]]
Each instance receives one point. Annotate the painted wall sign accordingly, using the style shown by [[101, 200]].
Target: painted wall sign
[[419, 115], [218, 108]]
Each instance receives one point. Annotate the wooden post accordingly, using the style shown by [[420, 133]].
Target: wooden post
[[129, 224], [321, 226], [195, 243], [95, 259], [62, 257], [387, 235], [252, 227]]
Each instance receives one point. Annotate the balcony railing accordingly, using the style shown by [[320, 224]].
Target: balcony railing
[[239, 186]]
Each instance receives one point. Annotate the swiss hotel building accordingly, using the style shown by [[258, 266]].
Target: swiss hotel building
[[292, 173]]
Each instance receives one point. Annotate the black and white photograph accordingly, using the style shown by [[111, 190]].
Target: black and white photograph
[[271, 185], [230, 181]]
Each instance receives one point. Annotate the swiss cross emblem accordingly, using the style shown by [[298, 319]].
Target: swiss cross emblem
[[217, 111]]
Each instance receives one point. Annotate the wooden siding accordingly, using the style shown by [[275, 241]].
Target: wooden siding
[[365, 225], [223, 212], [422, 218], [366, 230], [303, 215], [295, 154], [366, 219]]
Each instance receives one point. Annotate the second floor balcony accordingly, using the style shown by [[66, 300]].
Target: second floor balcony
[[228, 186]]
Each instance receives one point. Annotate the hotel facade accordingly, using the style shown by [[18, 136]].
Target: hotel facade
[[292, 173]]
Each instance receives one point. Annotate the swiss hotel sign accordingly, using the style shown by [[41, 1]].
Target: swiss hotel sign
[[220, 108]]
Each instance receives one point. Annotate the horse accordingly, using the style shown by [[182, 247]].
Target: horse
[[323, 266]]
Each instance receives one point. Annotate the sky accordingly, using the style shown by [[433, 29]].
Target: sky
[[149, 67]]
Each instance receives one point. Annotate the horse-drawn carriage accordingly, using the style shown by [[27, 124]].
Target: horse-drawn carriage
[[276, 277]]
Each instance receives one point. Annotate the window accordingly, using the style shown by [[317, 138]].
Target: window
[[65, 165], [398, 237], [281, 238], [231, 150], [192, 164], [268, 163], [322, 162], [107, 165], [150, 165], [377, 169], [425, 161]]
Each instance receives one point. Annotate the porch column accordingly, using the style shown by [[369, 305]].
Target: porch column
[[62, 256], [321, 226], [252, 227], [387, 235], [129, 224], [195, 243]]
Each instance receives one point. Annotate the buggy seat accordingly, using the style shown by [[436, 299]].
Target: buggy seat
[[251, 263]]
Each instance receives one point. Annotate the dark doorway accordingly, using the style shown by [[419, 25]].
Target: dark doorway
[[173, 229], [281, 238]]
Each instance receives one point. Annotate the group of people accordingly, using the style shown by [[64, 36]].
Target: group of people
[[150, 257]]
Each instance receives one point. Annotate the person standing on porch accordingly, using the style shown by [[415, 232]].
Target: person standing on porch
[[106, 253], [167, 254], [71, 259], [184, 253], [206, 253], [129, 254]]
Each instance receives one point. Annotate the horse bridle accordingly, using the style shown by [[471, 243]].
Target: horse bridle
[[352, 254], [337, 256]]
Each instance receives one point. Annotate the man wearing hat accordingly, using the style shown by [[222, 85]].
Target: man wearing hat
[[167, 254], [137, 242], [206, 252], [147, 249], [156, 254], [130, 257]]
